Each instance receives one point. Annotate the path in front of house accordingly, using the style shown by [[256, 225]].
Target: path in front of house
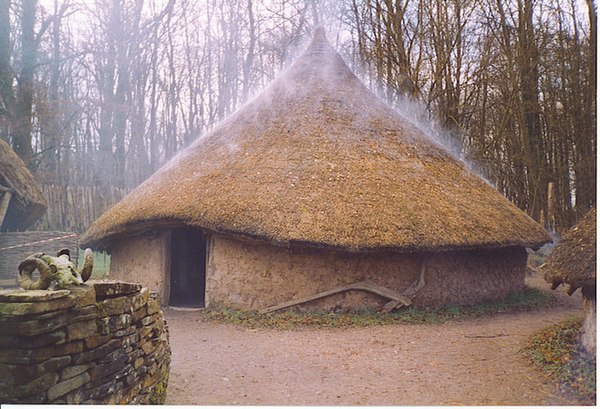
[[473, 362]]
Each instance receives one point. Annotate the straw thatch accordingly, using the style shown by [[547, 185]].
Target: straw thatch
[[318, 160], [573, 261], [27, 203]]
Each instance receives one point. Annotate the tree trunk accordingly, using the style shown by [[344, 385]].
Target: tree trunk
[[7, 97], [22, 117], [527, 62]]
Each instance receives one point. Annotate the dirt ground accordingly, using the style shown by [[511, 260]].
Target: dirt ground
[[474, 362]]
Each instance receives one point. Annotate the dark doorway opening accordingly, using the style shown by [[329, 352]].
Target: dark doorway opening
[[188, 268]]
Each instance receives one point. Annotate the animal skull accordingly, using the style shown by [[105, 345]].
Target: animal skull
[[55, 272]]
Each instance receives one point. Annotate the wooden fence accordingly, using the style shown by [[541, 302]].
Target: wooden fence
[[74, 208]]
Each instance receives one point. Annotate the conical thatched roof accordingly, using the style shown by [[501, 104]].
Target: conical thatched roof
[[319, 160], [27, 202], [573, 261]]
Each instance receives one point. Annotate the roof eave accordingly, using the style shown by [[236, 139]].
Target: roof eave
[[137, 228]]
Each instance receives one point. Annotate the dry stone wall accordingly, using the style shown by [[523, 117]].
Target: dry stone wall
[[101, 342]]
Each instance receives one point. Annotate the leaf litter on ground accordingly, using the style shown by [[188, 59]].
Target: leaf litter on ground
[[556, 351]]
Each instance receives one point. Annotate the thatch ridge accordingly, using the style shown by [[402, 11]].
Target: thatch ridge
[[27, 203], [318, 160], [573, 260]]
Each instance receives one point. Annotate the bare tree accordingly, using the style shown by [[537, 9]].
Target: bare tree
[[115, 88]]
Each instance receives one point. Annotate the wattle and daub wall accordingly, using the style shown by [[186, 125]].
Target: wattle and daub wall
[[253, 275], [101, 342]]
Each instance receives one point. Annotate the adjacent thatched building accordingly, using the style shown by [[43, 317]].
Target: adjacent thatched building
[[316, 184], [21, 200], [573, 262]]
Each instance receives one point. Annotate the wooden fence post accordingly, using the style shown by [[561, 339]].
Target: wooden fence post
[[551, 217], [74, 208], [4, 206]]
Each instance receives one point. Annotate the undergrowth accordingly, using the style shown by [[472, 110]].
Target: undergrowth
[[555, 351], [529, 298]]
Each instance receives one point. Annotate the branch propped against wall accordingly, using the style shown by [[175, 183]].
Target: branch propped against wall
[[410, 292], [396, 299], [4, 202]]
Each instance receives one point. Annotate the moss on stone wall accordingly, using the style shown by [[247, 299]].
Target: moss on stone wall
[[102, 342]]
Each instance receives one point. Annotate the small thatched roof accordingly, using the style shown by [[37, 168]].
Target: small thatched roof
[[318, 160], [573, 261], [27, 202]]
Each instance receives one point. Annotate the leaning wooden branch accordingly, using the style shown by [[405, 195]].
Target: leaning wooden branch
[[397, 299], [409, 293], [4, 202]]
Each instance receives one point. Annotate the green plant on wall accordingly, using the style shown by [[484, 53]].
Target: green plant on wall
[[158, 394]]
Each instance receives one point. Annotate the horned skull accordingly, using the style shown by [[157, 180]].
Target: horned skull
[[55, 272]]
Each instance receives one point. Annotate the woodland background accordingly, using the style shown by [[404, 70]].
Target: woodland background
[[103, 92]]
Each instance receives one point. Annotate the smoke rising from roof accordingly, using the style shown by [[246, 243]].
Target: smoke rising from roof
[[319, 160]]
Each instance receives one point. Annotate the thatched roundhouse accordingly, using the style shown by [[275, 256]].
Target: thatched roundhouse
[[21, 200], [316, 184], [573, 263]]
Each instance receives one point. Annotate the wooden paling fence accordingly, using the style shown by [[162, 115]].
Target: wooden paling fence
[[74, 208]]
